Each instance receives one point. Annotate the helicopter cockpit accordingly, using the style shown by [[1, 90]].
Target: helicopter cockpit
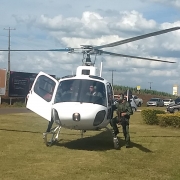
[[81, 90]]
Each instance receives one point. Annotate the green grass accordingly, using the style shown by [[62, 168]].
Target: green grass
[[23, 155]]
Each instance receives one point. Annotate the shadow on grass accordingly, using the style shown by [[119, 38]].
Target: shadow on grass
[[135, 145], [20, 131], [36, 132], [140, 147], [100, 142], [160, 136]]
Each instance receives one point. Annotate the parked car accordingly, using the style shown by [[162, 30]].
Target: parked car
[[155, 102], [137, 100], [167, 102], [172, 108], [133, 104]]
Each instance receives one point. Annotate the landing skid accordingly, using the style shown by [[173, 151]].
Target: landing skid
[[54, 133], [115, 139], [116, 143], [82, 132]]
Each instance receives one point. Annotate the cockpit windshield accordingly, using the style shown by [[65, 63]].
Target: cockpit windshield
[[81, 90]]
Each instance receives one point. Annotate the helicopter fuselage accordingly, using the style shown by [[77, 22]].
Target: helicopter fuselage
[[82, 102], [81, 116], [80, 109]]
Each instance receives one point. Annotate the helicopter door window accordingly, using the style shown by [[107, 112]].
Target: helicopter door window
[[44, 87]]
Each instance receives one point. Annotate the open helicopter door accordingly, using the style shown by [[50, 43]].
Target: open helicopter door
[[110, 96], [42, 94]]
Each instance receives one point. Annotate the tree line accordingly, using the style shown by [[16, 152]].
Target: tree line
[[120, 89]]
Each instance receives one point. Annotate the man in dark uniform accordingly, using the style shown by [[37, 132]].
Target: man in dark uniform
[[124, 111]]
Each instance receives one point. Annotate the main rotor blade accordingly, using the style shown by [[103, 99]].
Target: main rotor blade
[[135, 57], [137, 38], [64, 50]]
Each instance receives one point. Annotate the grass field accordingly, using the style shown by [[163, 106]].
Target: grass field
[[155, 152]]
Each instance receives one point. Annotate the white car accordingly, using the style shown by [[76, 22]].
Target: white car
[[133, 104], [137, 100], [167, 102]]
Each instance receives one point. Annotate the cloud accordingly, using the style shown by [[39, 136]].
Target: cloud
[[175, 3], [58, 23], [52, 24], [164, 73], [170, 82]]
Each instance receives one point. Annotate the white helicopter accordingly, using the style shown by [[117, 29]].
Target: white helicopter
[[68, 102]]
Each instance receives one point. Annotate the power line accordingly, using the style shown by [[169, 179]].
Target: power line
[[112, 76], [9, 29], [150, 85]]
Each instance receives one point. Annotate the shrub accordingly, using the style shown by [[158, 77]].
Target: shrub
[[149, 116], [19, 104], [4, 104], [169, 120]]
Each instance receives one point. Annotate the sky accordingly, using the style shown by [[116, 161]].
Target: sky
[[52, 24]]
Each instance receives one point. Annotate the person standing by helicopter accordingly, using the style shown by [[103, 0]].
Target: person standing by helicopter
[[48, 97], [124, 111]]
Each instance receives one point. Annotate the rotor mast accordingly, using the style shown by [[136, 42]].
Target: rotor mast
[[87, 51], [88, 61]]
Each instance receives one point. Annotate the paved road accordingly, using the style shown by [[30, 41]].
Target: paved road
[[13, 110]]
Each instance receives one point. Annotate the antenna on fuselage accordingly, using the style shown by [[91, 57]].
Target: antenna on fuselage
[[101, 69]]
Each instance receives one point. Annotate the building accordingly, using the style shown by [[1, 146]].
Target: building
[[175, 90]]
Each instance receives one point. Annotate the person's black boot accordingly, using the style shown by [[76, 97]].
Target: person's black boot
[[115, 133]]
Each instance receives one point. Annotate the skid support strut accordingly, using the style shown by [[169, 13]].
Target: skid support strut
[[54, 133], [115, 139]]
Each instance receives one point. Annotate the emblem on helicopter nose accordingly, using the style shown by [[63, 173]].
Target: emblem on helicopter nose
[[76, 117]]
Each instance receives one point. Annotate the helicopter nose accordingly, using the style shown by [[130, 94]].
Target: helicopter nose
[[76, 117]]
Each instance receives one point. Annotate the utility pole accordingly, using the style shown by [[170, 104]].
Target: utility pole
[[112, 76], [150, 85], [9, 29]]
